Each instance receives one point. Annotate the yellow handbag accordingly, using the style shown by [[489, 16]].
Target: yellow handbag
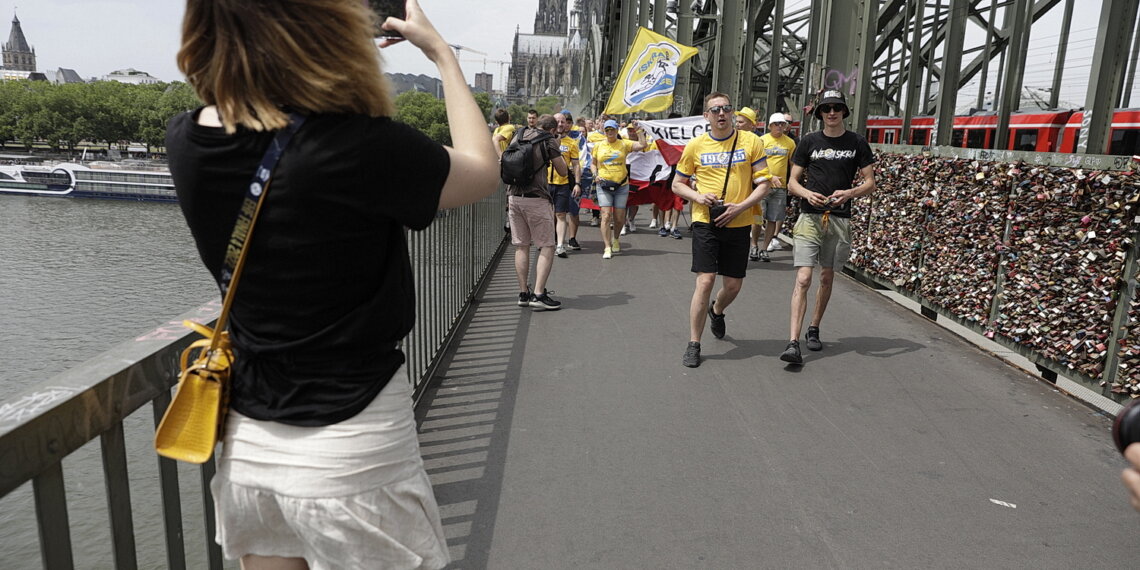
[[190, 428]]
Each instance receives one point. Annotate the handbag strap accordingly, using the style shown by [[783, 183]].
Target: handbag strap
[[728, 169], [238, 247]]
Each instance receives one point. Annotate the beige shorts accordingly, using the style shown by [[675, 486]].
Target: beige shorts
[[813, 245], [349, 495], [532, 221]]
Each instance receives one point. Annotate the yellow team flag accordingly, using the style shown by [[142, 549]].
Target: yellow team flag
[[648, 75]]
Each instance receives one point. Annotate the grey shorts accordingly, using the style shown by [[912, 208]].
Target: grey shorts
[[532, 221], [776, 205], [813, 245]]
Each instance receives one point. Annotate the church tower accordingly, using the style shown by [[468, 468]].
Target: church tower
[[18, 55], [551, 18]]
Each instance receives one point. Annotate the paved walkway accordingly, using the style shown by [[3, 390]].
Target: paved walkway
[[575, 439]]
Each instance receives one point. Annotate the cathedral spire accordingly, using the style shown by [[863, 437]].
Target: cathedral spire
[[18, 55]]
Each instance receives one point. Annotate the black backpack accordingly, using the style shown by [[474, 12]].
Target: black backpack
[[519, 163]]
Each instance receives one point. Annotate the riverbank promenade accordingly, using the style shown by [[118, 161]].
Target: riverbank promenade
[[576, 439]]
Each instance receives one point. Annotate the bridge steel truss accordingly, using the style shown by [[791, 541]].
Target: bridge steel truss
[[889, 57]]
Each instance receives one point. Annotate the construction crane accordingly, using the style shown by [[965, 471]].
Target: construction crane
[[458, 47], [502, 73]]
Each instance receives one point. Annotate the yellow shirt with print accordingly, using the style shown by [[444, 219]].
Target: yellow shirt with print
[[611, 158], [779, 152], [706, 158], [569, 148], [508, 132]]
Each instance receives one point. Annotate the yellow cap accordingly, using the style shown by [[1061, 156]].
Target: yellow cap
[[747, 113]]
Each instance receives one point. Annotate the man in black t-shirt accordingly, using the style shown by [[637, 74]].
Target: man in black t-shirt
[[833, 159]]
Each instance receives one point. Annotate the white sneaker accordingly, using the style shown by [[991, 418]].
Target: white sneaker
[[632, 226], [624, 229], [607, 253], [775, 245], [560, 251], [653, 224]]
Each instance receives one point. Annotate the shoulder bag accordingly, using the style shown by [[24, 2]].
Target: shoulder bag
[[190, 428], [719, 208]]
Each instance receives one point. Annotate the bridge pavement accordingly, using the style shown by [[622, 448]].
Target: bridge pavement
[[575, 438]]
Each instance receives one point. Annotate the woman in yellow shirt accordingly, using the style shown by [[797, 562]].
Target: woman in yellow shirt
[[612, 180]]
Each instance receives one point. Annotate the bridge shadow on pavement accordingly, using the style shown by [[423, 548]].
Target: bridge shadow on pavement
[[575, 438]]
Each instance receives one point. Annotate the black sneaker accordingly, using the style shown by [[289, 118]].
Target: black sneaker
[[792, 353], [765, 257], [692, 357], [525, 297], [573, 243], [716, 322], [544, 301], [812, 336]]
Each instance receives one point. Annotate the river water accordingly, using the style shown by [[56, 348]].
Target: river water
[[79, 276]]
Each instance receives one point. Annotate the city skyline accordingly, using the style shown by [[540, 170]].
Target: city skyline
[[95, 39]]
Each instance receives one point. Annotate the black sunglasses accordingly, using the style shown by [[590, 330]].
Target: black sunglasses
[[724, 108], [831, 108]]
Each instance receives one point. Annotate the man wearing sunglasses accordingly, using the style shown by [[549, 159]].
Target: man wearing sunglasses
[[722, 169], [833, 159]]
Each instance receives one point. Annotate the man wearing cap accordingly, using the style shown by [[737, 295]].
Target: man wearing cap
[[722, 168], [778, 147], [565, 189], [832, 159], [746, 123]]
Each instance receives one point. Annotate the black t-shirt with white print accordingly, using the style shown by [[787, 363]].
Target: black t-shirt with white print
[[830, 164]]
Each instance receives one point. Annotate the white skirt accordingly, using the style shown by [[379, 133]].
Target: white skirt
[[349, 495]]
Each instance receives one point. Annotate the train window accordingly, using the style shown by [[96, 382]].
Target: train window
[[956, 137], [1025, 139], [976, 138], [919, 136], [1125, 142]]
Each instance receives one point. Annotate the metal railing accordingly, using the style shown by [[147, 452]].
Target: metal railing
[[999, 212], [45, 424]]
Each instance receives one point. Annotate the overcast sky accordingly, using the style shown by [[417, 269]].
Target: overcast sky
[[97, 37]]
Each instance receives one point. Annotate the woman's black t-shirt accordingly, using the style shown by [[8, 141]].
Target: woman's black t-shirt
[[830, 164], [326, 292]]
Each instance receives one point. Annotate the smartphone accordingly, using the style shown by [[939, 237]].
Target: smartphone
[[386, 8], [1126, 426]]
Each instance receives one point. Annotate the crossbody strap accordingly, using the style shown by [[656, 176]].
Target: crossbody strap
[[728, 169], [237, 248]]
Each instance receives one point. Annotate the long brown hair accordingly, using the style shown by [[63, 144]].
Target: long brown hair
[[252, 57]]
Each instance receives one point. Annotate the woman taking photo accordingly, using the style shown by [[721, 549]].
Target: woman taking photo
[[611, 177], [320, 466]]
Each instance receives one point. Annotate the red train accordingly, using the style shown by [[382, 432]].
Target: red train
[[1040, 131]]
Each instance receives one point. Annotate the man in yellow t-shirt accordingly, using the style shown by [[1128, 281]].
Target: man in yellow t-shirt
[[746, 119], [565, 189], [778, 147], [725, 163], [504, 132]]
